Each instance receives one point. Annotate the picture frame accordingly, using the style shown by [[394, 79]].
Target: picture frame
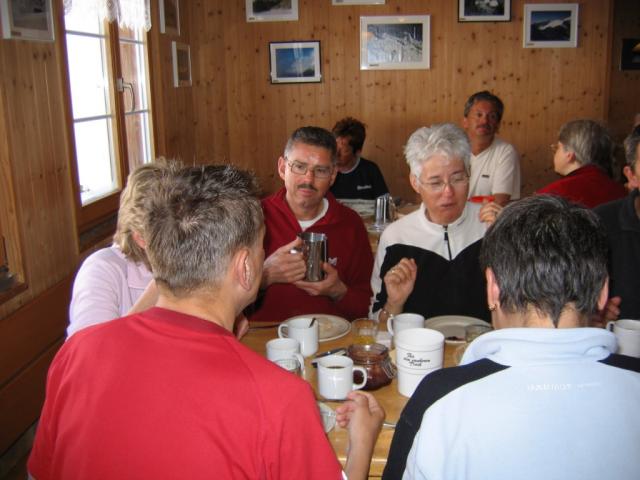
[[358, 2], [295, 62], [272, 10], [630, 54], [550, 25], [396, 42], [27, 20], [181, 54], [484, 10], [170, 17]]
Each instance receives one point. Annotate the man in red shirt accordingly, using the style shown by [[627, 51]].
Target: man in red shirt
[[582, 156], [308, 169], [170, 392]]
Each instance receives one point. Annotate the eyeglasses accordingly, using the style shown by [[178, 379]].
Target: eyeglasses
[[457, 180], [300, 168]]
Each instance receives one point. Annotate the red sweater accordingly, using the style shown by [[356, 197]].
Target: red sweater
[[588, 185], [348, 250]]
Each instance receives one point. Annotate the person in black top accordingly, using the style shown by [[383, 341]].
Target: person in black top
[[621, 219], [358, 178]]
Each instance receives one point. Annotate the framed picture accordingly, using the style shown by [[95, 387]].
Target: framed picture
[[630, 57], [272, 10], [27, 19], [181, 64], [170, 17], [295, 62], [484, 10], [550, 25], [394, 42], [357, 2]]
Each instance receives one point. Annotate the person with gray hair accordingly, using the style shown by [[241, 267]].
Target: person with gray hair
[[621, 219], [170, 392], [305, 204], [495, 164], [427, 262], [534, 388], [583, 156]]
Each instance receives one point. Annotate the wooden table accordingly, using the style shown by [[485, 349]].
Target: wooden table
[[388, 396]]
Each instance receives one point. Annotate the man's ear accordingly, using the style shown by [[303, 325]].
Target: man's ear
[[282, 165], [414, 183], [242, 269], [603, 298], [493, 289]]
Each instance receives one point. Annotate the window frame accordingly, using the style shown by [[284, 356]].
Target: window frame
[[103, 209]]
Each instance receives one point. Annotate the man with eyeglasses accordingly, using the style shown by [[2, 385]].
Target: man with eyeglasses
[[427, 262], [305, 204], [495, 165]]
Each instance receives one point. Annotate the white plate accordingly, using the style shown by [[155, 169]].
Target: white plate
[[330, 327], [452, 326], [328, 417]]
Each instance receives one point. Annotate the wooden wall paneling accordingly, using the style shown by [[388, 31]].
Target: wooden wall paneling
[[272, 106], [34, 115], [624, 84], [29, 338], [173, 107], [22, 398], [157, 81], [209, 88], [542, 88], [241, 77], [9, 214], [30, 330]]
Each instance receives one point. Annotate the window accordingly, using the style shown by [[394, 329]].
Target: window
[[110, 110]]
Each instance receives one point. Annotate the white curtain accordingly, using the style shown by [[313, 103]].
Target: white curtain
[[132, 14]]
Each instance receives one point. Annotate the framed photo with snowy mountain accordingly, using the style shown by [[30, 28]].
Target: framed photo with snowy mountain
[[395, 42], [484, 10], [550, 25]]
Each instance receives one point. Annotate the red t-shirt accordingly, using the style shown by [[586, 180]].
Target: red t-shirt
[[166, 395], [588, 185]]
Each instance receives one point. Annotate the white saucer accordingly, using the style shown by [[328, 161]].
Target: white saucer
[[330, 327], [452, 326]]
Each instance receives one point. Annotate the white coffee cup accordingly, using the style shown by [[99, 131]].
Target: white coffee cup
[[410, 378], [627, 334], [335, 377], [402, 321], [419, 348], [301, 330], [292, 365], [284, 348]]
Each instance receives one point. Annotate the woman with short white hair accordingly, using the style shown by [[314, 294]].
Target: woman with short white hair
[[427, 262]]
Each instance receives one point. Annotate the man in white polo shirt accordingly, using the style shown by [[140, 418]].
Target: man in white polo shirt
[[495, 165]]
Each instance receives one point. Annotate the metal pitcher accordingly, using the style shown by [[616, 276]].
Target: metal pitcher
[[314, 249]]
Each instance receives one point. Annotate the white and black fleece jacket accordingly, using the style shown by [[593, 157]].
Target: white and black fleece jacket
[[449, 281]]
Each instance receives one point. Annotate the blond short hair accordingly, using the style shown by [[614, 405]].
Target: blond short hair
[[133, 209]]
